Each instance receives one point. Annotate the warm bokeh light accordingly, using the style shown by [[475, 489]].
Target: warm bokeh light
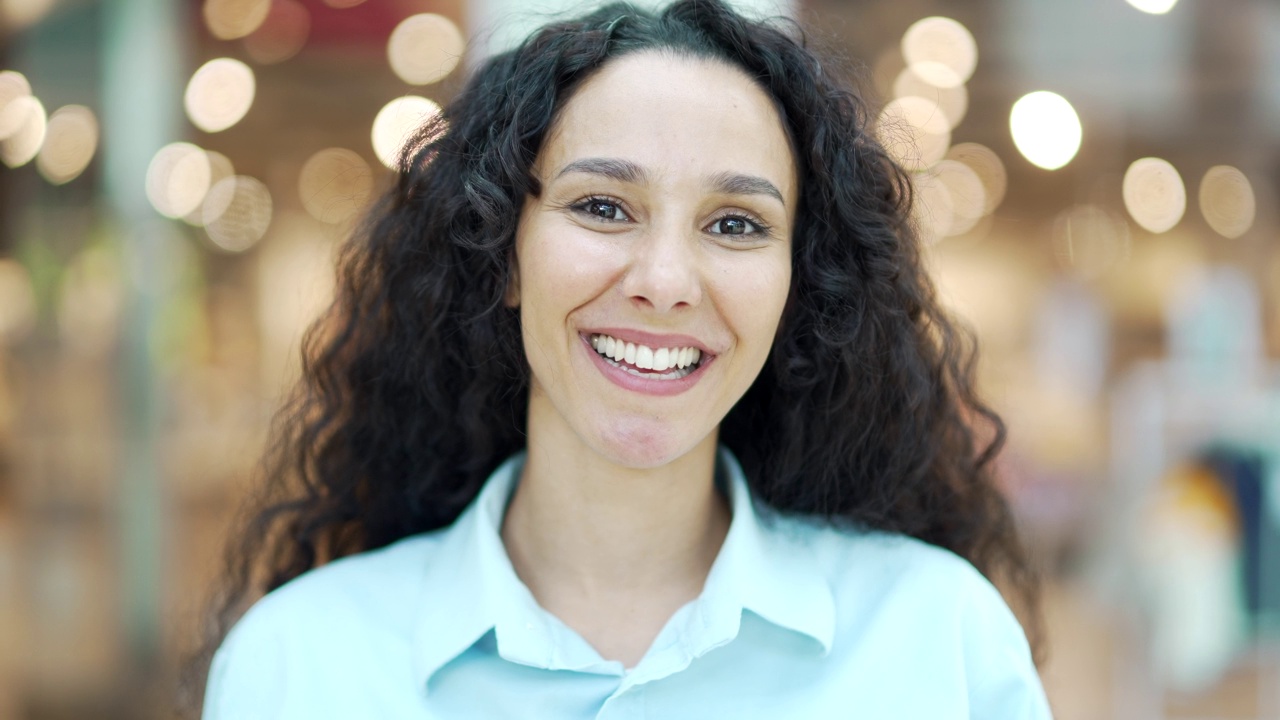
[[90, 301], [915, 131], [70, 140], [177, 179], [219, 94], [1155, 7], [987, 166], [1045, 129], [21, 146], [1227, 201], [1154, 194], [968, 195], [953, 101], [13, 85], [237, 213], [17, 302], [220, 168], [231, 19], [335, 184], [933, 208], [425, 48], [1088, 240], [19, 14], [940, 50], [395, 124], [282, 35]]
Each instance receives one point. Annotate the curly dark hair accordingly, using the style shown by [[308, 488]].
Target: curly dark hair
[[415, 384]]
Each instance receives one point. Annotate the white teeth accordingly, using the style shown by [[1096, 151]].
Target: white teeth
[[661, 359], [644, 357], [671, 361]]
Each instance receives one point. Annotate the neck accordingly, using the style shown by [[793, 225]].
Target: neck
[[583, 532]]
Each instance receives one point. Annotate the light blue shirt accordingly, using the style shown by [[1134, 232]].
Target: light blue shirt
[[796, 620]]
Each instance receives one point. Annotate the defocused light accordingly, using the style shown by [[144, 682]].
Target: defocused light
[[1227, 201], [220, 168], [1088, 240], [177, 179], [940, 50], [21, 147], [13, 85], [425, 48], [1045, 129], [335, 185], [915, 132], [953, 101], [1154, 194], [19, 14], [237, 213], [219, 94], [90, 301], [933, 208], [281, 35], [1155, 7], [968, 195], [987, 166], [69, 144], [231, 19], [17, 302], [395, 124]]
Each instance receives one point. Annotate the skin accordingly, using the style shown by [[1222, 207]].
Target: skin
[[616, 520]]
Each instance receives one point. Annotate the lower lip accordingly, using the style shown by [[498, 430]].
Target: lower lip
[[648, 386]]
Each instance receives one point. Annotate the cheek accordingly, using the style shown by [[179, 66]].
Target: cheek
[[754, 296]]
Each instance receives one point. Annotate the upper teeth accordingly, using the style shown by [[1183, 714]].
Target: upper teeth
[[645, 357]]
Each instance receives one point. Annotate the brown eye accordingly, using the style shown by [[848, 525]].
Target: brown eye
[[734, 225], [602, 209]]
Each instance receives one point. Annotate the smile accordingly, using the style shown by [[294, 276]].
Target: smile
[[661, 363]]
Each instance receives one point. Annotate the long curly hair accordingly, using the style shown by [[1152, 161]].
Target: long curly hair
[[415, 385]]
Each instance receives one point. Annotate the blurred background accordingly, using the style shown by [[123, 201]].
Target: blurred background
[[1097, 184]]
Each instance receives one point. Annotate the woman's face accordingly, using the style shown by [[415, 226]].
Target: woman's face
[[661, 239]]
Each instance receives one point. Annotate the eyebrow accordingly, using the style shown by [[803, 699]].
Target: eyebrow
[[628, 172]]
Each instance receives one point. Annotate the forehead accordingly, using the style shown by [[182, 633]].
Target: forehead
[[673, 115]]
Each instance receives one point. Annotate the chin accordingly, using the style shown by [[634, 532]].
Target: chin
[[643, 444]]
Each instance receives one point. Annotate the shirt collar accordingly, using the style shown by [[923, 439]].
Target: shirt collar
[[471, 587]]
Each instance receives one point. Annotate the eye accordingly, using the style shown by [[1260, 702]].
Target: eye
[[737, 225], [603, 209]]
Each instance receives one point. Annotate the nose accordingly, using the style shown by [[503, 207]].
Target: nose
[[663, 273]]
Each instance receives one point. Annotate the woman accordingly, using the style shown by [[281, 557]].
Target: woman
[[635, 401]]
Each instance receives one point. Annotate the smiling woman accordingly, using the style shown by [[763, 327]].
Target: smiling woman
[[635, 401]]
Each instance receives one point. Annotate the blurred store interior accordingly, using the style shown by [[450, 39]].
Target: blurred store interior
[[1097, 183]]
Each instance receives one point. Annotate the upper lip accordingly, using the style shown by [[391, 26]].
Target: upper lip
[[653, 340]]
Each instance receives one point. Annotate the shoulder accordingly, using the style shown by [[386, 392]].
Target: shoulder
[[358, 611]]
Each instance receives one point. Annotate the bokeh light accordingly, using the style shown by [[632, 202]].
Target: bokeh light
[[1046, 129], [932, 207], [968, 195], [220, 168], [20, 147], [953, 101], [335, 184], [281, 35], [395, 124], [1154, 194], [17, 302], [425, 48], [1088, 240], [13, 85], [987, 166], [940, 50], [219, 94], [1154, 7], [90, 301], [1227, 201], [19, 14], [237, 213], [178, 179], [232, 19], [70, 140], [915, 131]]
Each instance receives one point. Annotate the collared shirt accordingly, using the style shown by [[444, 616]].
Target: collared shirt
[[796, 620]]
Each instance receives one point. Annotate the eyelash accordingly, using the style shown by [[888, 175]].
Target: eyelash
[[762, 228]]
